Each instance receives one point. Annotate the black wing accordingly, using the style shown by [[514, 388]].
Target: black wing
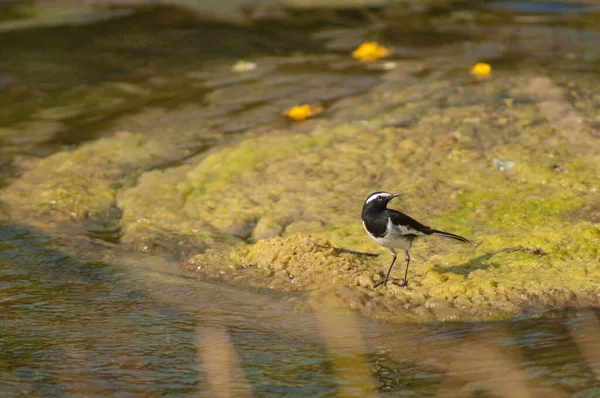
[[402, 219]]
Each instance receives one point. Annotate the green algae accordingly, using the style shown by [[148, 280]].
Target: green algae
[[81, 184], [492, 286], [528, 254], [217, 170], [152, 221], [266, 209]]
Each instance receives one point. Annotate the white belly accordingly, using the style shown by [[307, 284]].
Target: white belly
[[395, 238]]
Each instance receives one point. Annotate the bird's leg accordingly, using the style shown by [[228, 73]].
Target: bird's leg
[[407, 259], [387, 276]]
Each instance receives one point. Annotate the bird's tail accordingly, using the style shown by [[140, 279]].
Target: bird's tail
[[449, 235]]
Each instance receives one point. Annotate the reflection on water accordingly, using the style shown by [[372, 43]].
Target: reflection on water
[[74, 326]]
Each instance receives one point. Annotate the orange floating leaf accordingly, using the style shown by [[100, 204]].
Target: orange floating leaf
[[370, 51], [481, 69], [302, 112]]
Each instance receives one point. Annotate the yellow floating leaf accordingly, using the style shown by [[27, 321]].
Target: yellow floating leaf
[[370, 51], [481, 69], [243, 66], [302, 112]]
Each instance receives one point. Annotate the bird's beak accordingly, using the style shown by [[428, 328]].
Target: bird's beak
[[395, 195]]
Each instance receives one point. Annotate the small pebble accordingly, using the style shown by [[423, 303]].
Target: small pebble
[[503, 164]]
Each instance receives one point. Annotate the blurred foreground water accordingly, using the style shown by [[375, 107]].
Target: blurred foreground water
[[76, 327]]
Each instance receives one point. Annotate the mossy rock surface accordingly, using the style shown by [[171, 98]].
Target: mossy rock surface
[[488, 286], [79, 188], [495, 169], [493, 163], [78, 184]]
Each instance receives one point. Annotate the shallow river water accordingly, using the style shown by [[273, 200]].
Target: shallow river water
[[71, 326], [94, 321]]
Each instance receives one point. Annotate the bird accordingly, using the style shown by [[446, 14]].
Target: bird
[[394, 230]]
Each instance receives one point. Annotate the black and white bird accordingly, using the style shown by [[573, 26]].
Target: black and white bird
[[393, 229]]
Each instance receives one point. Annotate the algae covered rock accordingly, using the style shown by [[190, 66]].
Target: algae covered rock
[[295, 263], [493, 163], [531, 252], [533, 246], [490, 286], [254, 190], [154, 217], [82, 184]]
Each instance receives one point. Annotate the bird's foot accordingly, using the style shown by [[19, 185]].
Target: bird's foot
[[401, 284], [379, 283], [395, 282]]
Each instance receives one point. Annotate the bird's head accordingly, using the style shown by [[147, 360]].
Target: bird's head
[[379, 200]]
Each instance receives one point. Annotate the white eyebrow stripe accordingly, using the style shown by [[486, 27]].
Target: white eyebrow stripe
[[374, 196]]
